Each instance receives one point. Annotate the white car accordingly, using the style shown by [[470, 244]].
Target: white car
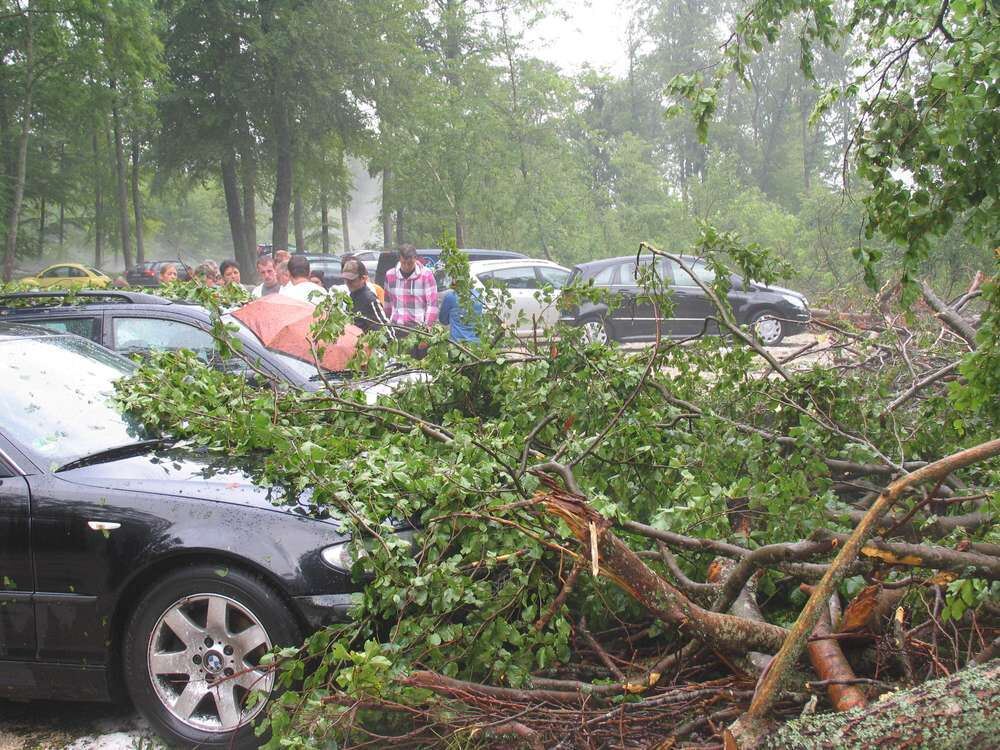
[[533, 286]]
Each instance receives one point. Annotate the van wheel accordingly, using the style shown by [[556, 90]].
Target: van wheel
[[192, 652]]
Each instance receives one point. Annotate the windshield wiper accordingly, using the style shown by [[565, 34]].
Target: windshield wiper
[[112, 454]]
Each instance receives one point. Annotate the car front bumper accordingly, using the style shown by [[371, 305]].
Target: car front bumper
[[326, 609]]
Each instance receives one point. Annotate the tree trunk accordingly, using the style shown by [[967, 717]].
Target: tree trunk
[[298, 221], [140, 249], [459, 232], [248, 173], [386, 210], [324, 221], [231, 191], [41, 226], [399, 226], [283, 185], [62, 203], [14, 209], [345, 231], [98, 205], [123, 218], [960, 711]]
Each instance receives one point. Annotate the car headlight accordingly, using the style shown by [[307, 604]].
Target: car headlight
[[796, 300], [341, 557]]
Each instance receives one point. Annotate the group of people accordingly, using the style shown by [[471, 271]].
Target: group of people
[[409, 301]]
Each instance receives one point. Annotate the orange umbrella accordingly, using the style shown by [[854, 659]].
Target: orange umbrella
[[282, 324]]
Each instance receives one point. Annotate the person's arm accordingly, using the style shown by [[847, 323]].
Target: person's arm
[[378, 315], [431, 299], [389, 293]]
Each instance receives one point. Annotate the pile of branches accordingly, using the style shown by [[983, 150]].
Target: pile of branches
[[560, 597]]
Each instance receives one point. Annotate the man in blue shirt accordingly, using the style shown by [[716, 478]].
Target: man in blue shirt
[[452, 314]]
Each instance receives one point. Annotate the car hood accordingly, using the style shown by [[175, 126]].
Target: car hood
[[777, 290], [184, 472]]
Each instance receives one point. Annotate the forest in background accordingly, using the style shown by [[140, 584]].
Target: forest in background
[[135, 129]]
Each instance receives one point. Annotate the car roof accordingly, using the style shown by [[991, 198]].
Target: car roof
[[596, 264], [87, 299], [481, 266]]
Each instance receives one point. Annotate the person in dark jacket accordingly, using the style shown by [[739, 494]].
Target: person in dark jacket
[[368, 312]]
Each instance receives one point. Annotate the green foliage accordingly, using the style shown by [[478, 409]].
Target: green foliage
[[447, 455]]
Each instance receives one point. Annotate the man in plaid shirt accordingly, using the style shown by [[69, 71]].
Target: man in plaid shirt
[[411, 295]]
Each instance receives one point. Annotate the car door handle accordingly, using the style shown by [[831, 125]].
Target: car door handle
[[103, 525]]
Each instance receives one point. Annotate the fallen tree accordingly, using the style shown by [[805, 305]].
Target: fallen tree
[[612, 543]]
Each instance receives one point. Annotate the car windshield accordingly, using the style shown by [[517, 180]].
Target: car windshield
[[56, 400]]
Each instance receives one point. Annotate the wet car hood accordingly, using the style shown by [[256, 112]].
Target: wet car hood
[[777, 290], [185, 472]]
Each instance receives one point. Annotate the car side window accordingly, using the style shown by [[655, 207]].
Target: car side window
[[76, 273], [554, 277], [89, 328], [606, 276], [516, 278], [142, 335], [58, 272], [705, 274], [627, 272]]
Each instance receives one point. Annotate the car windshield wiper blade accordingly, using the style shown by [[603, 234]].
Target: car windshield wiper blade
[[112, 454]]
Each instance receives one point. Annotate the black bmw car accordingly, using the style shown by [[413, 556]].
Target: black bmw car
[[128, 562], [772, 312]]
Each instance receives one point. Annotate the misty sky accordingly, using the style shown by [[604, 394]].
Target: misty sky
[[593, 33]]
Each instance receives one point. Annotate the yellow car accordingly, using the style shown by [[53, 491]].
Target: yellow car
[[68, 276]]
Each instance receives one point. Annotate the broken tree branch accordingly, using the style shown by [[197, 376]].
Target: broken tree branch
[[749, 728]]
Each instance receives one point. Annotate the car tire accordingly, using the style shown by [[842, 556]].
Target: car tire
[[596, 331], [189, 652], [767, 328]]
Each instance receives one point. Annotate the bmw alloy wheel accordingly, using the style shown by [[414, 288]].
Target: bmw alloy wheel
[[203, 659]]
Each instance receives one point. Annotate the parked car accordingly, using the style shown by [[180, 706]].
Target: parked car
[[130, 561], [772, 312], [329, 266], [135, 323], [147, 273], [524, 280], [68, 276], [379, 262]]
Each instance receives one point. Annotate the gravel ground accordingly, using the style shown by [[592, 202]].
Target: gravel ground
[[50, 725]]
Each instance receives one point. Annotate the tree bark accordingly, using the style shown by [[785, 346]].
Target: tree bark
[[41, 226], [98, 204], [324, 221], [248, 174], [231, 190], [281, 206], [123, 219], [140, 248], [615, 560], [400, 231], [956, 712], [386, 209], [14, 209], [299, 221], [345, 231]]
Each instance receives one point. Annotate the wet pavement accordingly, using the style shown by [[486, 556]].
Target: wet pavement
[[51, 725]]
